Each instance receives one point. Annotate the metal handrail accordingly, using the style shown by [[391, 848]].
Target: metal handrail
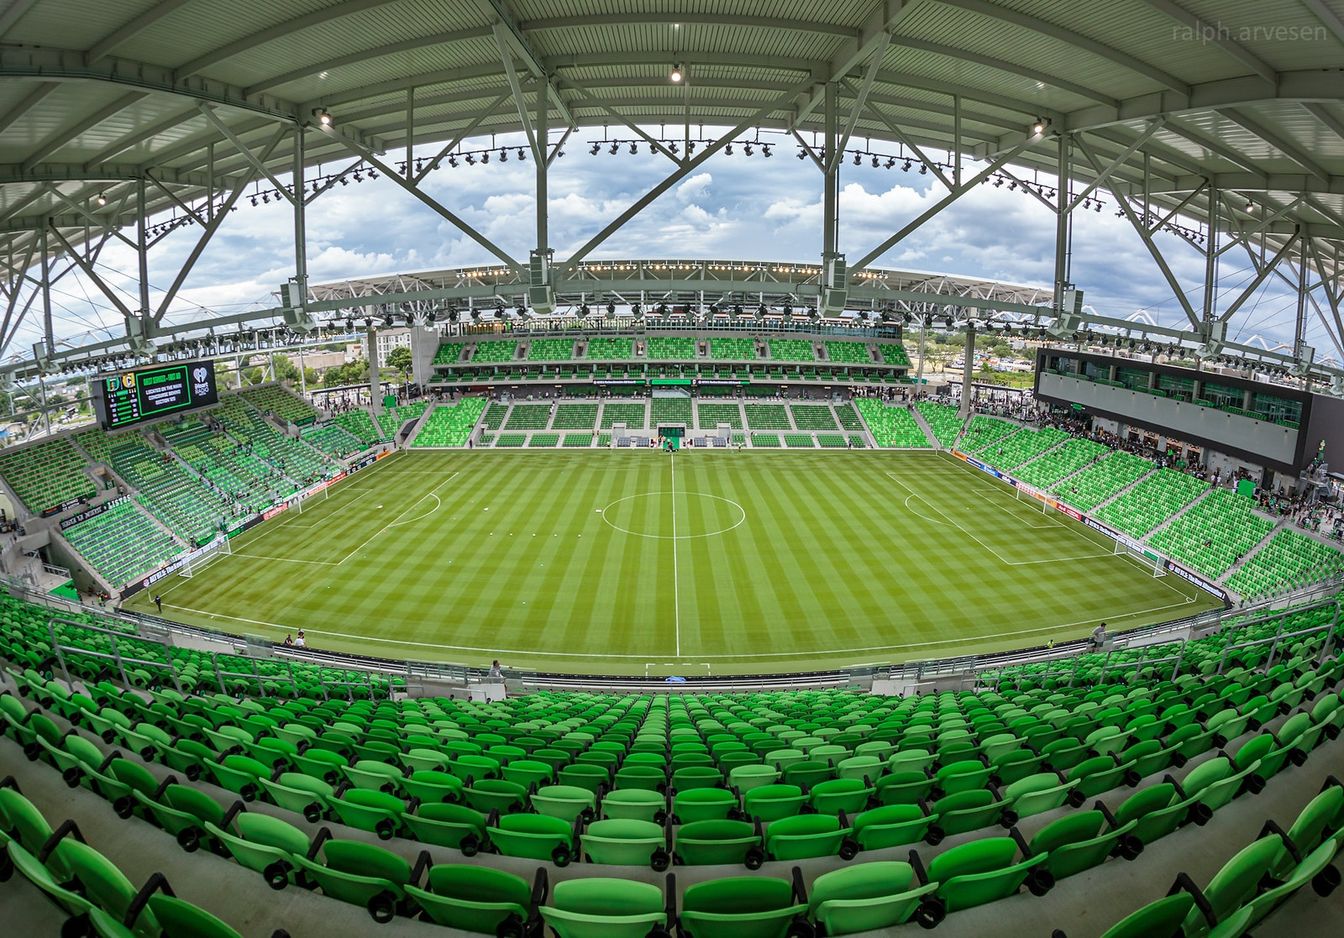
[[1277, 638], [116, 655]]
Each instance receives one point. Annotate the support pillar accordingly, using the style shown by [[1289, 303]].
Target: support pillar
[[1210, 310], [923, 343], [967, 370], [300, 220], [831, 178], [1063, 221], [142, 253], [49, 332], [375, 391], [539, 157]]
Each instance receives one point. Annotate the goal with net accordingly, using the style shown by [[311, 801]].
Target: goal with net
[[203, 557], [1149, 563]]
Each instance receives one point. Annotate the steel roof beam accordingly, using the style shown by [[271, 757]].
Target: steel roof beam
[[258, 163], [13, 13], [35, 97], [84, 172], [1262, 274], [941, 204], [1216, 34], [882, 19], [1275, 140], [71, 65], [132, 28], [1044, 78], [1320, 85], [209, 232], [1146, 237], [1289, 183], [879, 48], [422, 196], [1074, 39], [69, 134], [687, 18], [365, 55], [500, 12], [681, 172], [1330, 20], [278, 31]]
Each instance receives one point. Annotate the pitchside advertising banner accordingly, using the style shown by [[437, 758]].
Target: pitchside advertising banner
[[178, 563], [1184, 573]]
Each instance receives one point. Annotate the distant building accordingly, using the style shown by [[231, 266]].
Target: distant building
[[389, 339]]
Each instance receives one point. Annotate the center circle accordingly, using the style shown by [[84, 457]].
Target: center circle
[[651, 514]]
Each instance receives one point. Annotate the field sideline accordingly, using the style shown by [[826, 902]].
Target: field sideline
[[627, 562]]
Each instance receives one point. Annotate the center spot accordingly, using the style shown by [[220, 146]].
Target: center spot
[[698, 514]]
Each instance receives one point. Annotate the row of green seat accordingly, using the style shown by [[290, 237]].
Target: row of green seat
[[47, 474], [854, 353], [122, 543], [1048, 469], [1067, 848], [450, 424], [1289, 560], [892, 426], [1020, 447], [1152, 501], [1102, 480], [274, 399], [550, 350], [1214, 534], [943, 419]]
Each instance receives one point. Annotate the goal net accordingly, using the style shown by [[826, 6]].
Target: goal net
[[1149, 563], [219, 547]]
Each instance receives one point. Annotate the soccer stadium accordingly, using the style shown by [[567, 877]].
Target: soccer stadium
[[631, 469]]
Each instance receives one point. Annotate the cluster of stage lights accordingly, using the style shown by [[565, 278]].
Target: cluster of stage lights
[[1193, 235]]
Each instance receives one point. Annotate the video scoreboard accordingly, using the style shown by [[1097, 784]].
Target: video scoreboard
[[129, 397]]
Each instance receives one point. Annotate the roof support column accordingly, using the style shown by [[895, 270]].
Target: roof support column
[[1063, 220], [300, 217], [48, 331], [539, 159], [375, 395], [830, 209], [1210, 310], [1300, 322], [967, 370], [142, 256]]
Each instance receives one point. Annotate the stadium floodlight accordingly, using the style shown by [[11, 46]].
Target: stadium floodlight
[[594, 148], [1038, 126], [611, 310], [675, 76], [323, 117], [583, 310], [102, 199]]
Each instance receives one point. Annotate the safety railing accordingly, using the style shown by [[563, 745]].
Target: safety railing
[[115, 656]]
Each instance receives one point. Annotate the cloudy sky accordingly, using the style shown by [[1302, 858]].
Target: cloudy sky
[[734, 207]]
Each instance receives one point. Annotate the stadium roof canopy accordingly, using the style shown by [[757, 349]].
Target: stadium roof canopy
[[1185, 110]]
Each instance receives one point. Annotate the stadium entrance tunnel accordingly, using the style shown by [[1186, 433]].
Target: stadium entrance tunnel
[[668, 515]]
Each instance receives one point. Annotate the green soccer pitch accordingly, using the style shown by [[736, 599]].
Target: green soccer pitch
[[644, 562]]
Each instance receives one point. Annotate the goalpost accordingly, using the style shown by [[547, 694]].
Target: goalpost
[[219, 547], [1146, 562]]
